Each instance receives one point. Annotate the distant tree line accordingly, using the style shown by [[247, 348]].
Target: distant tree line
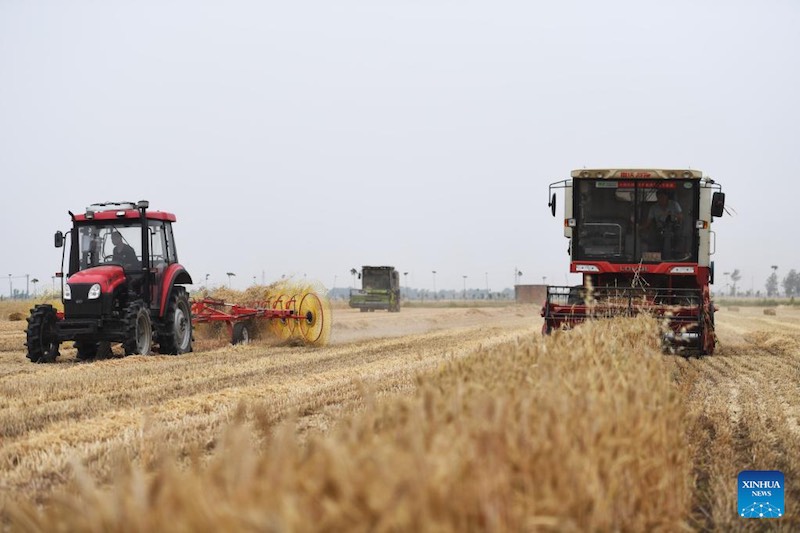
[[790, 283]]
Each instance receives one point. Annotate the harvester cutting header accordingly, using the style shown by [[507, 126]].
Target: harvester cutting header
[[642, 240]]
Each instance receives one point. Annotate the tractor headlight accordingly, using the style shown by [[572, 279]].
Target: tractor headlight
[[67, 292], [94, 292]]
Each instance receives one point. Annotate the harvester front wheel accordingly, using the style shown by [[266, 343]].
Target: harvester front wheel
[[42, 337], [176, 337], [138, 329]]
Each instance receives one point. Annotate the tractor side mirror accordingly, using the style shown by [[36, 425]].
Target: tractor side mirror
[[59, 239], [717, 204], [552, 204]]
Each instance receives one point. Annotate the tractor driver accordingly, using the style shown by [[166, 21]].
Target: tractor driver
[[123, 252]]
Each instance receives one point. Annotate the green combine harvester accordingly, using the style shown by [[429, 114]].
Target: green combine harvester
[[380, 289]]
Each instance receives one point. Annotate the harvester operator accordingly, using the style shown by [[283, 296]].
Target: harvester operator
[[664, 211], [667, 216]]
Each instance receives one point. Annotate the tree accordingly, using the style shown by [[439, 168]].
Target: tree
[[772, 285], [791, 283], [735, 277]]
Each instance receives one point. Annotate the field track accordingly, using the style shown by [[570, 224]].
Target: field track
[[742, 406]]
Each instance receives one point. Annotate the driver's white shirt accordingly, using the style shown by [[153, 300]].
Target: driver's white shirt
[[659, 214]]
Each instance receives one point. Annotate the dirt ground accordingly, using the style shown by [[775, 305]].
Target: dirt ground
[[743, 402]]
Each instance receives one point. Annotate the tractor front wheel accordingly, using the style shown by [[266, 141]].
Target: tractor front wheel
[[138, 329], [42, 335]]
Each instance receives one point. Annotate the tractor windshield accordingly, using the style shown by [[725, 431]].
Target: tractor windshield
[[110, 244], [632, 221]]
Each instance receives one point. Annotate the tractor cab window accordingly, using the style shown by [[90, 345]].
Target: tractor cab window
[[158, 244], [172, 253], [635, 221], [110, 244]]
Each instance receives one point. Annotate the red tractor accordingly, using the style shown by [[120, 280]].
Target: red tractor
[[642, 240], [124, 285]]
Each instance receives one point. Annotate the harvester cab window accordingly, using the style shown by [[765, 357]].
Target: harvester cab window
[[630, 221], [606, 216], [375, 280]]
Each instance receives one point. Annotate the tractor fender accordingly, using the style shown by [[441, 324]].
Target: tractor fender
[[174, 274]]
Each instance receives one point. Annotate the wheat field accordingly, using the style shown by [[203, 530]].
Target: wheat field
[[430, 419]]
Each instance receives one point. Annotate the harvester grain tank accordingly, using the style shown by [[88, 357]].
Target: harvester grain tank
[[380, 289], [642, 240]]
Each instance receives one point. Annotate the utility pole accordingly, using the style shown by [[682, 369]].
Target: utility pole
[[464, 295], [434, 284]]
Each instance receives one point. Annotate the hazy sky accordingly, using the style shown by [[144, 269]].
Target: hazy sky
[[307, 138]]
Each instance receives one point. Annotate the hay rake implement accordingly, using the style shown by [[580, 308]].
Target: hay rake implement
[[300, 317]]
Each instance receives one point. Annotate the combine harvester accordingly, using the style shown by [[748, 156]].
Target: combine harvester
[[380, 289], [642, 240], [125, 285]]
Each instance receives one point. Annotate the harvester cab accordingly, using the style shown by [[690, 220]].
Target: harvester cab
[[642, 240], [380, 289], [124, 284]]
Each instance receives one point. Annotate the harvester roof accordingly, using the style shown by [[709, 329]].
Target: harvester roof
[[636, 173]]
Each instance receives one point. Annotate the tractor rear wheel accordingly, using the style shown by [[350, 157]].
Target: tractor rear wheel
[[42, 337], [176, 334], [138, 329]]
